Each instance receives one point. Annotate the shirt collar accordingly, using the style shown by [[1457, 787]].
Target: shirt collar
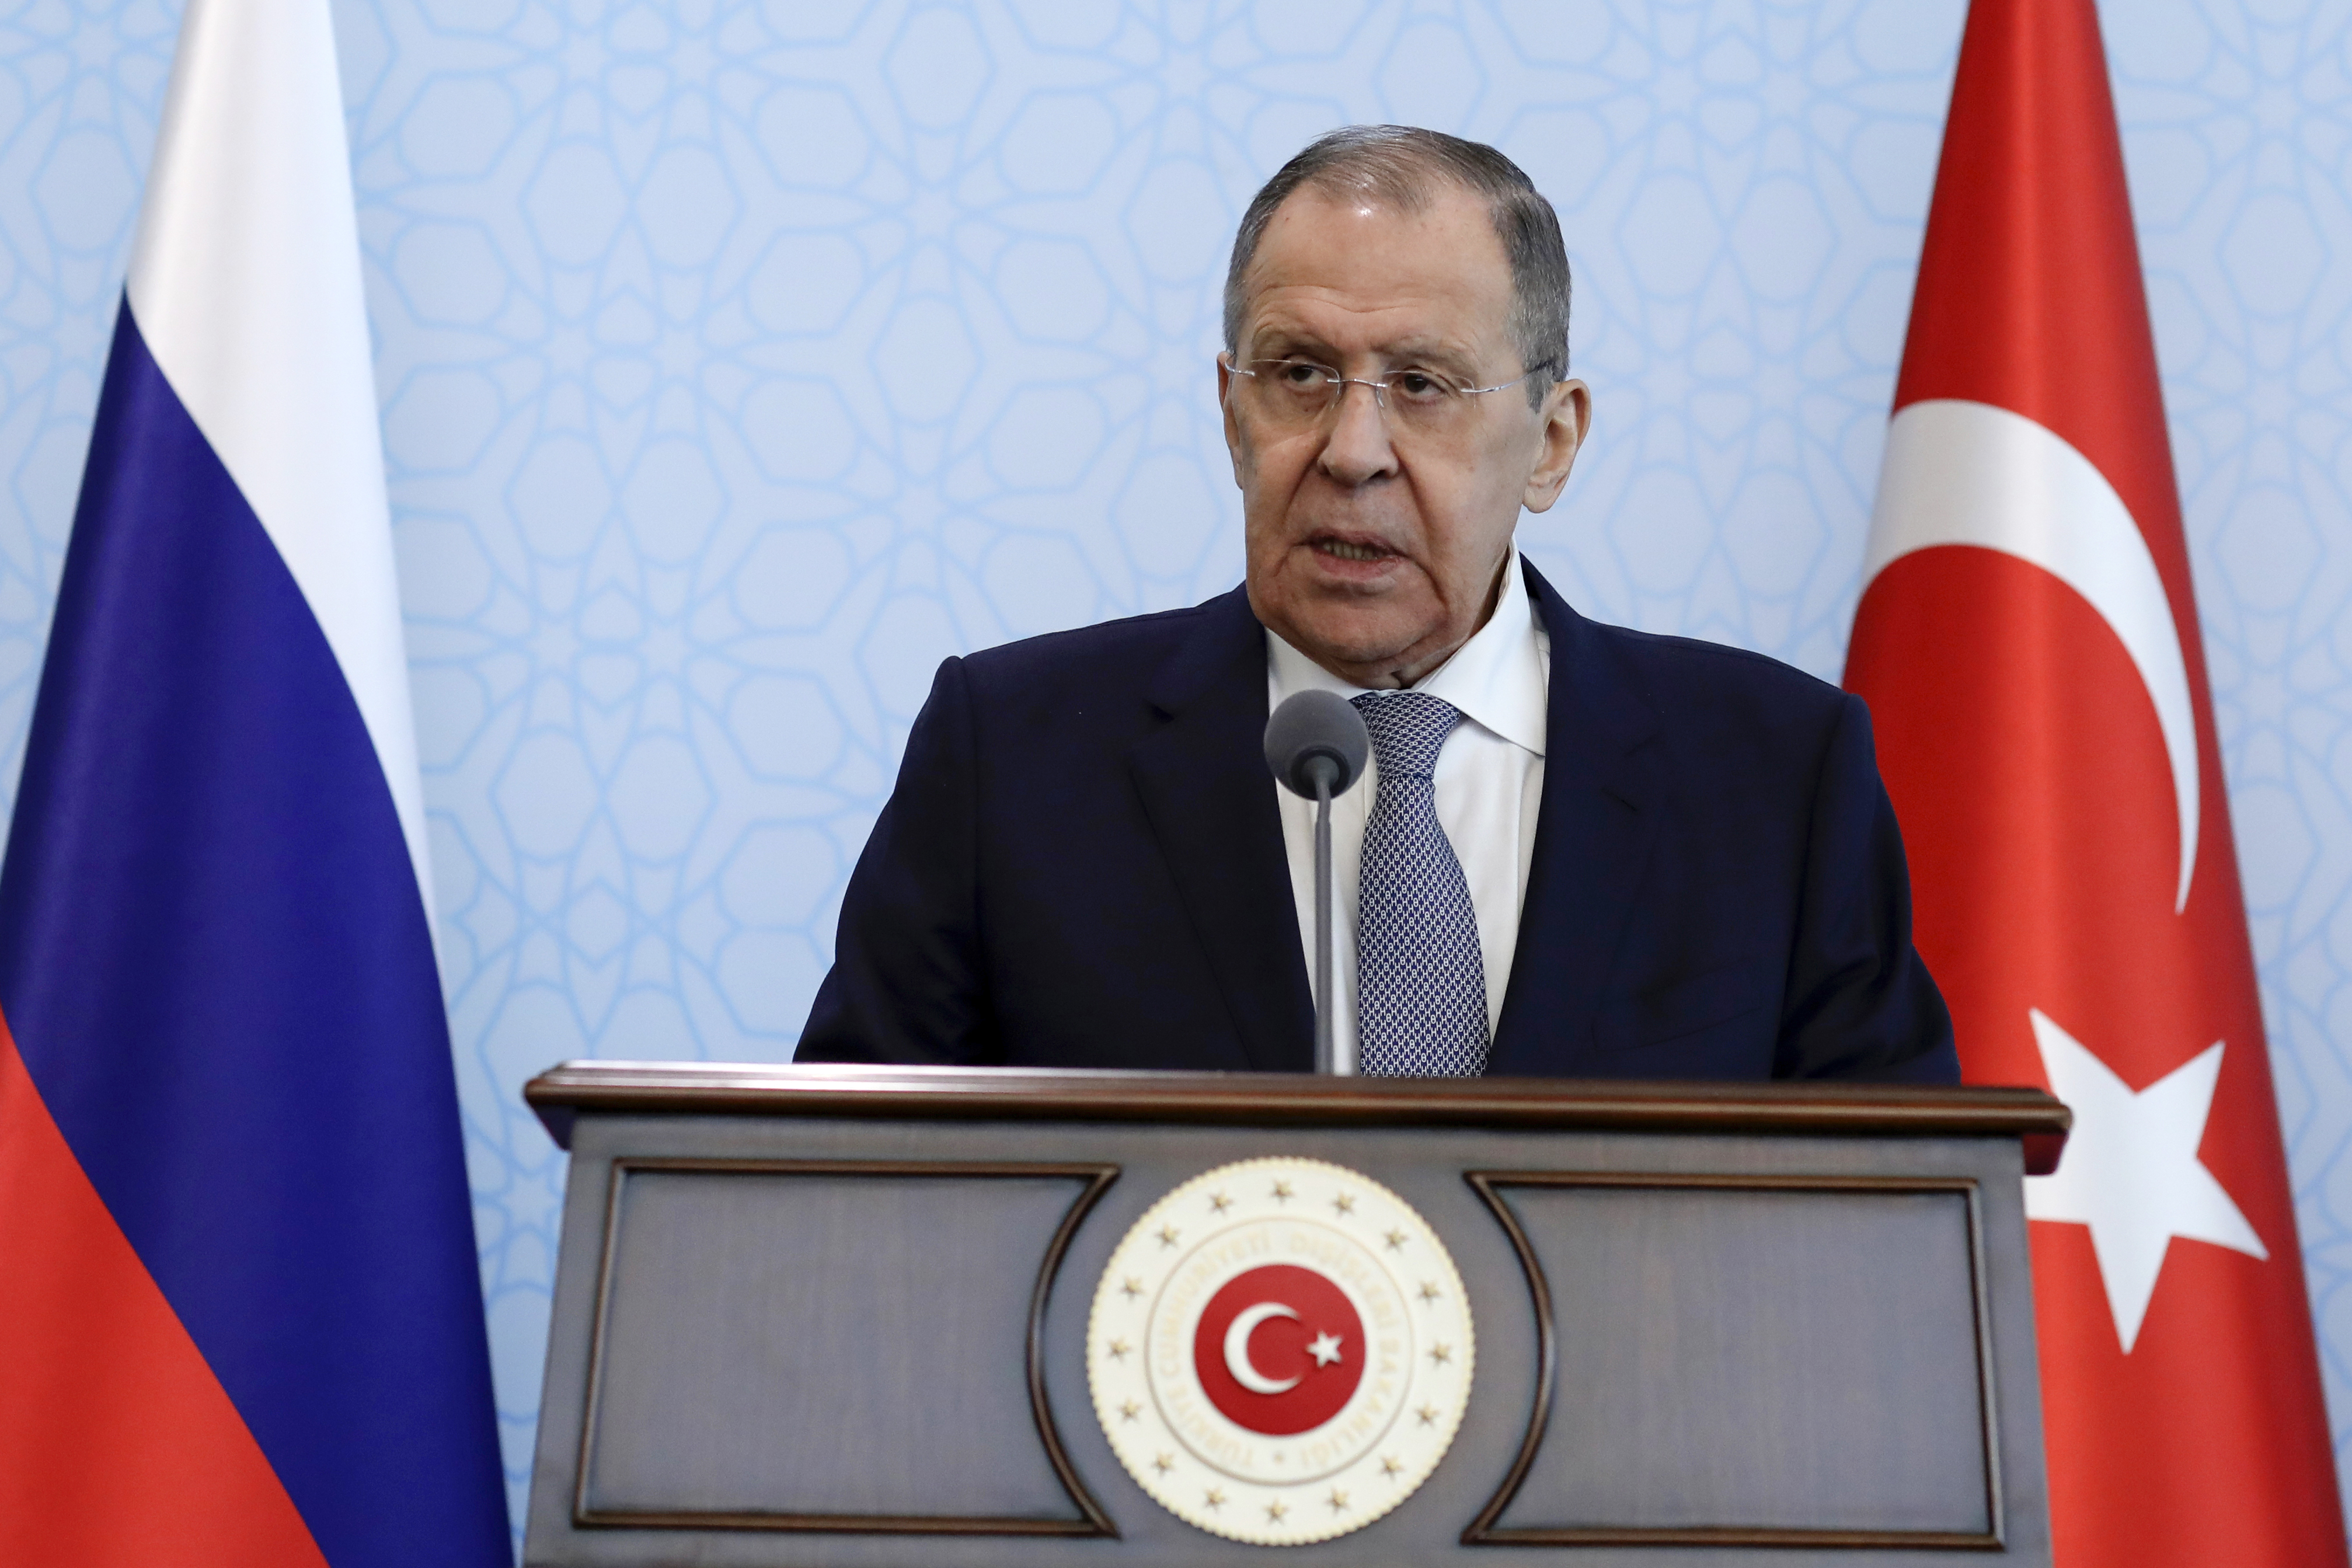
[[1497, 678]]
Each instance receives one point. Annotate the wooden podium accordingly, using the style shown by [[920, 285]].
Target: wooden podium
[[862, 1317]]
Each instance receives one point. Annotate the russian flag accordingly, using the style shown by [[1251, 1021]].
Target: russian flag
[[240, 1316]]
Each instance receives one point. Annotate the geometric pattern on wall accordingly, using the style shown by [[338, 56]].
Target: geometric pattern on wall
[[740, 360]]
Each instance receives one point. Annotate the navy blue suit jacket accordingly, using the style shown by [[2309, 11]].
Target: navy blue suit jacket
[[1082, 866]]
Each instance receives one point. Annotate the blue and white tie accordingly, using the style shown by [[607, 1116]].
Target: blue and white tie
[[1420, 979]]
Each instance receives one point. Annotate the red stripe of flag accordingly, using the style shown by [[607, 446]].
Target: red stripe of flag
[[118, 1447]]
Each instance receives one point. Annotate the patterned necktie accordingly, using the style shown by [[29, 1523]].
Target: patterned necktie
[[1420, 980]]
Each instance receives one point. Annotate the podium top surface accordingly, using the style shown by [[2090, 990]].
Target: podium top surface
[[1818, 1109]]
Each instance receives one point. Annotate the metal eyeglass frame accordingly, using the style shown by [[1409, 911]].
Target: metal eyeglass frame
[[1378, 384]]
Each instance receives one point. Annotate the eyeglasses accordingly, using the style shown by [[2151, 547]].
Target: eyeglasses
[[1292, 394]]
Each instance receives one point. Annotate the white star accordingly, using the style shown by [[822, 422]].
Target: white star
[[1325, 1349], [2131, 1170]]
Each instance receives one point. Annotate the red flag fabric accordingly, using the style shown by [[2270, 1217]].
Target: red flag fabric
[[2027, 641]]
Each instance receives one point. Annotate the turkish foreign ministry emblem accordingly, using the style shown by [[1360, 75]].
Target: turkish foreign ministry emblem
[[1280, 1351]]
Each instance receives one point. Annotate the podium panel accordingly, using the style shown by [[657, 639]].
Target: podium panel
[[733, 1288], [843, 1318], [1825, 1342]]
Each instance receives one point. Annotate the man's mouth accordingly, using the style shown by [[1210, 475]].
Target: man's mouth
[[1346, 552]]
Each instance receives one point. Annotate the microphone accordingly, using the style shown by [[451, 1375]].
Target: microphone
[[1316, 745], [1317, 735]]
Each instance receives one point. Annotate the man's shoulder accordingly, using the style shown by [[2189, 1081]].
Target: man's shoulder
[[1124, 653], [1694, 660], [1687, 682], [1679, 679], [1692, 664]]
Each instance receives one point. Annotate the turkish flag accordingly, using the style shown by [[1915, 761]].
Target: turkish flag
[[2027, 640]]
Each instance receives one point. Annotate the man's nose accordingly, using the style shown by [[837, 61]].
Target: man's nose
[[1358, 450]]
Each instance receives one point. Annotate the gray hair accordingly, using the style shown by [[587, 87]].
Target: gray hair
[[1399, 164]]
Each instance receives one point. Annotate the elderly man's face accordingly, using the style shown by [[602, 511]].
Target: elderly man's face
[[1376, 543]]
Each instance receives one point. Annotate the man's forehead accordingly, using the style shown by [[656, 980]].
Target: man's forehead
[[1355, 263]]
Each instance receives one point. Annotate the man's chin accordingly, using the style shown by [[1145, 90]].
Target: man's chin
[[1345, 628], [1354, 647]]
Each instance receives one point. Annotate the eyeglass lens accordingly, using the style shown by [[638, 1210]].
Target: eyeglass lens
[[1300, 392]]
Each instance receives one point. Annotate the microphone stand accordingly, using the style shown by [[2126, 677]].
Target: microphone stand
[[1326, 1050], [1315, 745]]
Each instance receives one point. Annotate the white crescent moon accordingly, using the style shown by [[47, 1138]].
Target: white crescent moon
[[1958, 472], [1237, 1361]]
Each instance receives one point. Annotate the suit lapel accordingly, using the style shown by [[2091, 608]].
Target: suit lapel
[[1206, 792], [1593, 838]]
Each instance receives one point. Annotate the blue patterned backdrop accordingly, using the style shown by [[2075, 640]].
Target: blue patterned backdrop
[[738, 360]]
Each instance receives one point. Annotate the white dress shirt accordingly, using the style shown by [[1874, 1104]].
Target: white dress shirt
[[1489, 785]]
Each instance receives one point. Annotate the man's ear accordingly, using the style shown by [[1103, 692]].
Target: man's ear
[[1225, 407], [1567, 414]]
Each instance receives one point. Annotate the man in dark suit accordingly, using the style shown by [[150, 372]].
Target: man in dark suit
[[1578, 850]]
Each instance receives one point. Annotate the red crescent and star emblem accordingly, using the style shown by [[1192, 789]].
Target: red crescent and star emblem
[[1279, 1349]]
